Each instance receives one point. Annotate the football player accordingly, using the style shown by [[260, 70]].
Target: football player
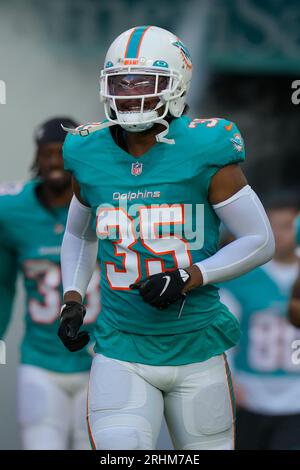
[[153, 185], [52, 382], [266, 374]]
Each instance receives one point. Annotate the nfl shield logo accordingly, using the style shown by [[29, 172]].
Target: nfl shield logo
[[136, 168]]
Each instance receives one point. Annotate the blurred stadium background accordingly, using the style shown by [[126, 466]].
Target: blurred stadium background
[[246, 56]]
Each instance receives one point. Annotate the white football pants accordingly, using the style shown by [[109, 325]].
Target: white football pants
[[126, 403], [52, 409]]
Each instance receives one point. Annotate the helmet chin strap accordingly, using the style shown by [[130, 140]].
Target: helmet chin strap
[[87, 129], [161, 137]]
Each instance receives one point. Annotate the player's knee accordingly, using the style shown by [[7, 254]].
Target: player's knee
[[117, 438], [219, 441], [123, 432]]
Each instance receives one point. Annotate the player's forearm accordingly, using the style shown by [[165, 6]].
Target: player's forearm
[[78, 260], [244, 216], [78, 252]]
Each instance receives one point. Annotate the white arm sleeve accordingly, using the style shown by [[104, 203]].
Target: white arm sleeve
[[245, 217], [79, 249]]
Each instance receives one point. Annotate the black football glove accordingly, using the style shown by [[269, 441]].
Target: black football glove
[[71, 319], [161, 290]]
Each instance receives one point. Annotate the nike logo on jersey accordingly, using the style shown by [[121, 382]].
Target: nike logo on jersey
[[228, 127], [168, 279]]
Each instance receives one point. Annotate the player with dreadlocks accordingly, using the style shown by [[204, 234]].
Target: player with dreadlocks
[[52, 382]]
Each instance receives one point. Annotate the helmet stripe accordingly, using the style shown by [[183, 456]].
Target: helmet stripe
[[135, 41], [128, 42], [142, 37]]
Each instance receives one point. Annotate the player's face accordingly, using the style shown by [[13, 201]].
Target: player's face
[[51, 166], [282, 221], [134, 84]]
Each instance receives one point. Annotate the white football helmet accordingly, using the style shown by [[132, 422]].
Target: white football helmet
[[146, 75]]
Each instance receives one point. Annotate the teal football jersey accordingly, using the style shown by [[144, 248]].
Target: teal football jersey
[[266, 345], [151, 214], [30, 240]]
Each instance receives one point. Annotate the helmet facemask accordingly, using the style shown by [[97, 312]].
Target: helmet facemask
[[136, 97]]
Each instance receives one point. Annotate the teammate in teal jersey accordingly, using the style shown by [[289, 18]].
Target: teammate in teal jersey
[[294, 306], [266, 366], [52, 382], [153, 184]]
